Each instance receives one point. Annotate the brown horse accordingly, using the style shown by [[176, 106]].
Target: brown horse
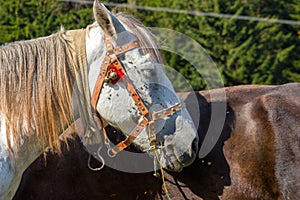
[[257, 156]]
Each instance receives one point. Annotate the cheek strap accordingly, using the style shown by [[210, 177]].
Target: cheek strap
[[111, 72]]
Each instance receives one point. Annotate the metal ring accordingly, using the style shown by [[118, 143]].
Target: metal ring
[[110, 153]]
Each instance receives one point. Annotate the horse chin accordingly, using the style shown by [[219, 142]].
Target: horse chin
[[174, 157]]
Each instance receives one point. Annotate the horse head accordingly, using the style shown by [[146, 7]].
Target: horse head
[[135, 94]]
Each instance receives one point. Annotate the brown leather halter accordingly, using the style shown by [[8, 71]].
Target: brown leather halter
[[111, 71]]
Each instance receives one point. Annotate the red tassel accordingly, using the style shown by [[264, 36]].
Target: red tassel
[[119, 72]]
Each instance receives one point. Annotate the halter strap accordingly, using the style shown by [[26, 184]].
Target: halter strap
[[109, 63], [111, 59]]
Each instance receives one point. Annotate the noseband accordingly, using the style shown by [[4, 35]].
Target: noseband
[[111, 71]]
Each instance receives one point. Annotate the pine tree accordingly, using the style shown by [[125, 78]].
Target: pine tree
[[246, 52]]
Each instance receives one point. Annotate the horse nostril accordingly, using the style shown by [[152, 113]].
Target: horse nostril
[[169, 147]]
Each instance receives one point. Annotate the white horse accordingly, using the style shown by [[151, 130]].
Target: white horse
[[39, 80]]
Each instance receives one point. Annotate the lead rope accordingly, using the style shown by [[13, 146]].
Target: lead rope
[[162, 173]]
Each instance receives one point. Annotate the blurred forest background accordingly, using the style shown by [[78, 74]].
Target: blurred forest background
[[245, 51]]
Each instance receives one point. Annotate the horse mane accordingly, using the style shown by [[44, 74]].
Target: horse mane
[[36, 80], [36, 84], [146, 38]]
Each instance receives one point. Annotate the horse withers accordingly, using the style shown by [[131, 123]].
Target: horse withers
[[46, 84]]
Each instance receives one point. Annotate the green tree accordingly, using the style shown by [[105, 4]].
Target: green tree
[[26, 19], [245, 51]]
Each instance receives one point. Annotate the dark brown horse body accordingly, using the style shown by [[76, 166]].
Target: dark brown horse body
[[256, 157]]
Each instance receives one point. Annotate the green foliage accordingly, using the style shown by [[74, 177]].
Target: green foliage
[[26, 19], [245, 52]]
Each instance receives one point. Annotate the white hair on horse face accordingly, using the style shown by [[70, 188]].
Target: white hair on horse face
[[143, 68]]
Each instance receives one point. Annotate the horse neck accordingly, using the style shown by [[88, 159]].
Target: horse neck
[[83, 50], [95, 53], [86, 59], [24, 140]]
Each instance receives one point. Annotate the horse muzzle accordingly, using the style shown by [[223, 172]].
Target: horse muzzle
[[180, 148]]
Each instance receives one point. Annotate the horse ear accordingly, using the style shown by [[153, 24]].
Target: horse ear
[[106, 20]]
